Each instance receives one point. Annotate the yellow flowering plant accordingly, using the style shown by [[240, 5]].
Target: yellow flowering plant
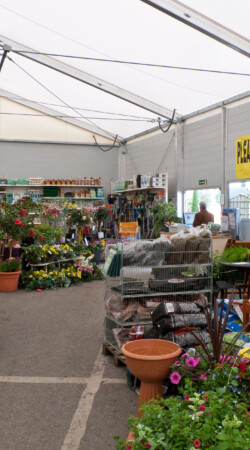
[[51, 280]]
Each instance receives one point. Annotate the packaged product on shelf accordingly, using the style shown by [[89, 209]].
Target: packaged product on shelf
[[167, 308], [119, 309], [121, 336], [136, 332], [145, 253], [177, 321], [92, 193], [36, 180], [100, 192], [142, 314], [187, 339]]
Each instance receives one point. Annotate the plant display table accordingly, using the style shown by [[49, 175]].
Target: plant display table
[[45, 265]]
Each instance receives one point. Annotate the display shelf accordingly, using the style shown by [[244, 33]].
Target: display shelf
[[149, 273], [73, 198], [53, 185], [128, 323], [166, 294], [140, 189]]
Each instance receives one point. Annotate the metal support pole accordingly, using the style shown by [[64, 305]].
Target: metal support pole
[[224, 155], [6, 49]]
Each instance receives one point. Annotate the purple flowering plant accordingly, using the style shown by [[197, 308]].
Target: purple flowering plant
[[11, 265]]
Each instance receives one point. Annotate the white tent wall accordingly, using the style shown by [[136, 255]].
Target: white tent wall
[[55, 161], [150, 154], [22, 122], [202, 151], [203, 148]]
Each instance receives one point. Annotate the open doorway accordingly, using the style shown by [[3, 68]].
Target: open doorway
[[239, 197], [212, 198]]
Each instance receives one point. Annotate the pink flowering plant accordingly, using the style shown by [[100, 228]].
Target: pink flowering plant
[[231, 372]]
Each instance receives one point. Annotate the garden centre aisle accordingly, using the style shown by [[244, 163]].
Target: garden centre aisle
[[57, 390]]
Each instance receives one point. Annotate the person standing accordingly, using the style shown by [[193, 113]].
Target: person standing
[[203, 216]]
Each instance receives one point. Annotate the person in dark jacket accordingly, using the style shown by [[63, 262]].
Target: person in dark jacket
[[203, 216]]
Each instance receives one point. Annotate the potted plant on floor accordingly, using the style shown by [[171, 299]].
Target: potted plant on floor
[[9, 274], [15, 224]]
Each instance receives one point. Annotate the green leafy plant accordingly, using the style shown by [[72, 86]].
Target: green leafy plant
[[80, 249], [102, 214], [11, 265], [2, 236], [78, 218], [163, 212], [33, 253], [211, 419], [235, 254], [46, 234], [214, 227]]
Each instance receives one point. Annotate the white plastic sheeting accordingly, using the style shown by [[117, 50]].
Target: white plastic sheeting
[[124, 30]]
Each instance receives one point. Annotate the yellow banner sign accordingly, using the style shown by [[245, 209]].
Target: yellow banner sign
[[243, 157]]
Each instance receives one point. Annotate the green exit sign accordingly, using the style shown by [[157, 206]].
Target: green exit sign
[[202, 182]]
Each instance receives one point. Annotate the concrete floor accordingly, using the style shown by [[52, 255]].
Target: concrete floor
[[57, 390]]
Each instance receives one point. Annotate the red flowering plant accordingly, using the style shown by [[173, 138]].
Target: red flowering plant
[[102, 214], [15, 223], [51, 215], [46, 234]]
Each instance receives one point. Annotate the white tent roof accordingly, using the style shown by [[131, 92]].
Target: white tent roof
[[127, 30]]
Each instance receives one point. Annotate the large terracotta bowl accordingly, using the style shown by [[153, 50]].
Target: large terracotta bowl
[[149, 360]]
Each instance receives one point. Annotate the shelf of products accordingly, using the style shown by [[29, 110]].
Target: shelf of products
[[140, 190], [79, 188], [134, 199], [42, 185], [156, 288], [74, 198]]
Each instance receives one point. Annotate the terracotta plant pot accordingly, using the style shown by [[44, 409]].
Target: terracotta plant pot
[[9, 281], [149, 360]]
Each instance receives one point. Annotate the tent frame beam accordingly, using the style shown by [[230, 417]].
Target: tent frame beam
[[87, 78], [202, 23]]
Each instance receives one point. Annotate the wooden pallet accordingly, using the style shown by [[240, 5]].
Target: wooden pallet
[[119, 358]]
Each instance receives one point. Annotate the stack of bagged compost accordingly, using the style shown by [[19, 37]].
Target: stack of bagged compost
[[179, 322]]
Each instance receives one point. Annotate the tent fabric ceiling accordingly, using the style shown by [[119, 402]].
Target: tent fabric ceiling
[[127, 31]]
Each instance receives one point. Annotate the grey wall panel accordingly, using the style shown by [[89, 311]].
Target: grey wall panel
[[238, 125], [202, 152], [23, 160], [147, 155]]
